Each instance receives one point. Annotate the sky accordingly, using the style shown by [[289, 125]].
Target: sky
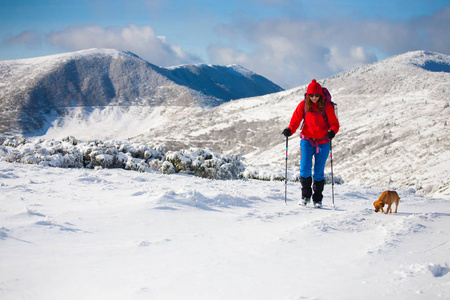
[[288, 41]]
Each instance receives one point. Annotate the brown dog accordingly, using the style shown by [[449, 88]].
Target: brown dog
[[387, 197]]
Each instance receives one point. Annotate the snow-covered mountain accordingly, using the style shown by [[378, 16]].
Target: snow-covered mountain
[[394, 124], [34, 92], [223, 82], [395, 116]]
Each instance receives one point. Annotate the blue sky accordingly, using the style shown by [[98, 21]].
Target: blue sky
[[288, 41]]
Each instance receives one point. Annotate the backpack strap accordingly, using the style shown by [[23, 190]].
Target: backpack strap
[[327, 95]]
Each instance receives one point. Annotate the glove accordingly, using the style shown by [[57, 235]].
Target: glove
[[287, 132], [330, 134]]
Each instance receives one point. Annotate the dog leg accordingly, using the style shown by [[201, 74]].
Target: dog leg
[[389, 208], [396, 205]]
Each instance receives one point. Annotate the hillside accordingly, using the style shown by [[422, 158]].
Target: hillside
[[395, 117], [222, 82], [35, 92], [394, 124]]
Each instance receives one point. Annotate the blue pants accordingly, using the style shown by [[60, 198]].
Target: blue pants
[[320, 159]]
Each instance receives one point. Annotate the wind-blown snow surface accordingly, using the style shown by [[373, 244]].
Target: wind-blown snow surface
[[116, 234]]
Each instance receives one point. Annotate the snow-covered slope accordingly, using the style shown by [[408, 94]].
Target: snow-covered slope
[[394, 124], [34, 92], [116, 234], [395, 116], [223, 82]]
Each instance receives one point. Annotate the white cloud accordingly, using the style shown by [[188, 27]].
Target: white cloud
[[29, 38], [141, 40], [292, 52], [340, 59], [288, 51], [434, 30]]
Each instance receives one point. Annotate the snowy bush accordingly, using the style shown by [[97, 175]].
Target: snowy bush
[[205, 163], [278, 173], [50, 153], [71, 153], [12, 142], [265, 173], [167, 168]]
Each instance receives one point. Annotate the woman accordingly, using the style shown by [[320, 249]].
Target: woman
[[319, 127]]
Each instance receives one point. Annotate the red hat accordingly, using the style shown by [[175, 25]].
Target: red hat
[[314, 88]]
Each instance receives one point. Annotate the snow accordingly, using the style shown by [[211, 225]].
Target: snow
[[237, 68], [393, 115], [117, 234], [99, 229], [72, 153], [126, 122], [242, 70]]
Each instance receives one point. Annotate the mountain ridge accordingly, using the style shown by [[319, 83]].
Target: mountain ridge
[[29, 88]]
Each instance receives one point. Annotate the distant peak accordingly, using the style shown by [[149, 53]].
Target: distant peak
[[240, 69], [103, 51], [237, 68], [427, 60]]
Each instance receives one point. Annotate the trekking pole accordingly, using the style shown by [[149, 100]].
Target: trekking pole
[[332, 179], [285, 174]]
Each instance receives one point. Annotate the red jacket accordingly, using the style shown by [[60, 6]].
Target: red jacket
[[315, 125]]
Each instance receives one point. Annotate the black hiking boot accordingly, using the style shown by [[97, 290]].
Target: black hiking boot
[[306, 187], [317, 196]]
